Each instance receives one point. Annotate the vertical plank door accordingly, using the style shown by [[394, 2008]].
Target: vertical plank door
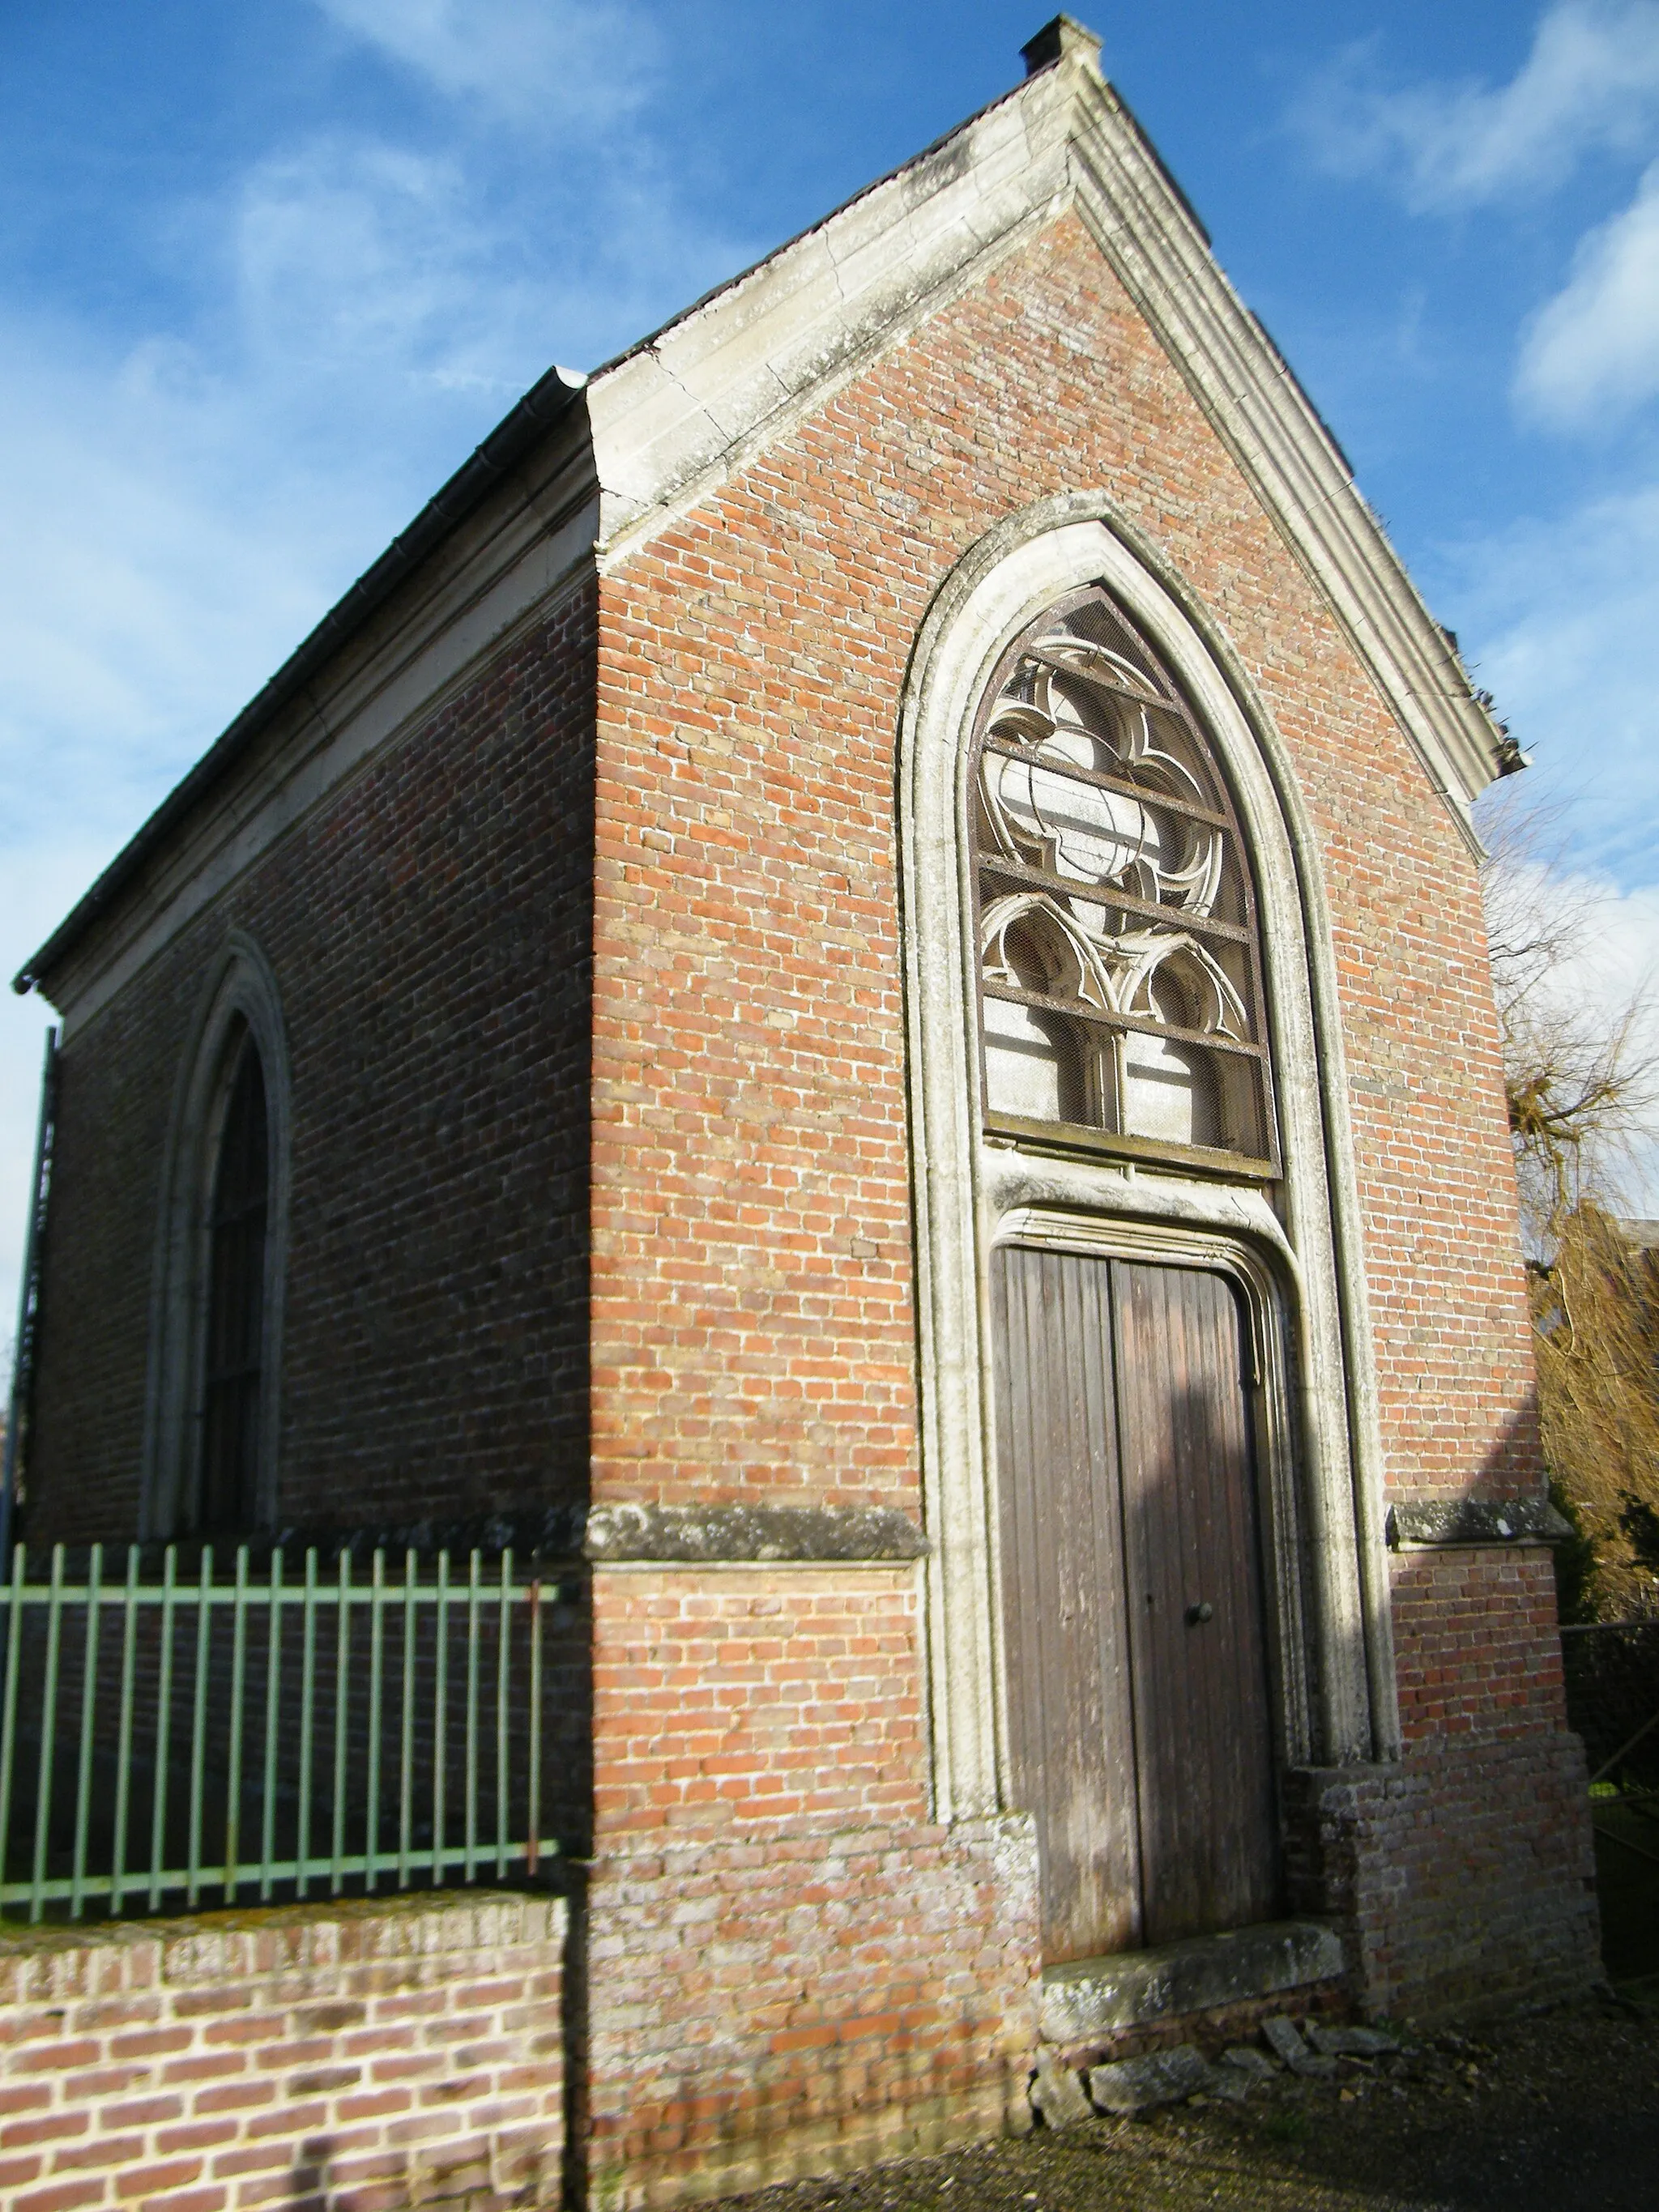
[[1070, 1729], [1139, 1712], [1204, 1768]]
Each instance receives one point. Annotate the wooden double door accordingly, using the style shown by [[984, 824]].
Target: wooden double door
[[1139, 1701]]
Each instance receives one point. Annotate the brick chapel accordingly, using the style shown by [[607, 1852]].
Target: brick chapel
[[850, 990]]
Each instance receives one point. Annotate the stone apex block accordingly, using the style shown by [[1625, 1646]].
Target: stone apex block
[[1091, 1997], [1059, 39], [788, 1534], [1473, 1521]]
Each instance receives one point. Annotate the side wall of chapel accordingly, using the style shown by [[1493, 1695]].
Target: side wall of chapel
[[429, 929]]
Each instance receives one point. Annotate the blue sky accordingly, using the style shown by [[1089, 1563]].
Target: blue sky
[[267, 272]]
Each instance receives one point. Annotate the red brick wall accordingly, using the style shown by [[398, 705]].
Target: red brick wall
[[428, 928], [1477, 1647], [790, 1968], [1464, 1876], [745, 1697], [749, 1145], [379, 2053]]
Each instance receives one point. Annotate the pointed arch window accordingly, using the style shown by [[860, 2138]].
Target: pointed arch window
[[233, 1348], [213, 1419], [1120, 968]]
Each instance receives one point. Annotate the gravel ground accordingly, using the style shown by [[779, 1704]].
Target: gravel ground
[[1558, 2112]]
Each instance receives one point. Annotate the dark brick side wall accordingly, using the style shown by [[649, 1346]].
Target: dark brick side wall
[[429, 927], [115, 1088]]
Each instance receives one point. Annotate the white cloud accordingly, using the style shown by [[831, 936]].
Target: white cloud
[[1560, 620], [1592, 352], [147, 585], [351, 258], [1590, 80], [539, 62]]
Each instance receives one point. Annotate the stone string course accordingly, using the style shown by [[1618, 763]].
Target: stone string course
[[376, 2055]]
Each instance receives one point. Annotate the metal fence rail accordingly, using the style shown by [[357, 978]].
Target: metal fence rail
[[258, 1734]]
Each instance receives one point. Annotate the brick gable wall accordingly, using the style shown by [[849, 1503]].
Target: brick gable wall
[[753, 1279], [749, 1144]]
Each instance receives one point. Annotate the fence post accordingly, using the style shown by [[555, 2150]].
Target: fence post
[[124, 1735], [89, 1707], [8, 1713]]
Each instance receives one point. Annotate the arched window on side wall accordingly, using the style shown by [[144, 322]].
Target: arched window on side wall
[[1119, 963], [213, 1416], [233, 1361]]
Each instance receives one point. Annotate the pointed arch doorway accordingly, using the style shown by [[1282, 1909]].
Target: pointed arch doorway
[[1114, 945], [1134, 1602]]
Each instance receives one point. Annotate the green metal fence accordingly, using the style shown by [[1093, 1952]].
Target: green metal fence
[[232, 1738]]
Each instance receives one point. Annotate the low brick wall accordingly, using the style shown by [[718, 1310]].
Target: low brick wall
[[375, 2055], [1462, 1878]]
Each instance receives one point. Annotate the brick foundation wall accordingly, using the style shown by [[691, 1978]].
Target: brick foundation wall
[[835, 1996], [1463, 1878], [428, 928], [382, 2054], [792, 1969]]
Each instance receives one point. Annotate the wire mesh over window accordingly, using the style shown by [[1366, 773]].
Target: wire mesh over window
[[1120, 969]]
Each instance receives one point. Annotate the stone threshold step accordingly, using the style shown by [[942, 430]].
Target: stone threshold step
[[1090, 1997]]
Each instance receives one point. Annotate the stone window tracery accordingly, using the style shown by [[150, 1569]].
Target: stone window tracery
[[1118, 960]]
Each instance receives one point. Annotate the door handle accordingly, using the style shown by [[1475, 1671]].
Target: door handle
[[1202, 1612]]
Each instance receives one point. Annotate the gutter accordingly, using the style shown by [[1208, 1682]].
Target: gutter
[[478, 475]]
